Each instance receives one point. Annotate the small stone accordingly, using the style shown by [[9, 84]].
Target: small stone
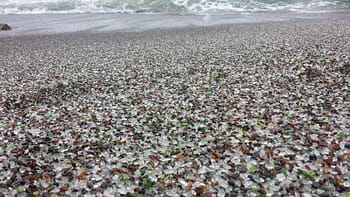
[[324, 194], [346, 69], [235, 176], [316, 185], [253, 136], [347, 145], [242, 169], [307, 195], [4, 27], [232, 183], [346, 184], [313, 157], [280, 177]]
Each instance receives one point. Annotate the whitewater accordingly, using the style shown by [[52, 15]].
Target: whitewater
[[179, 7]]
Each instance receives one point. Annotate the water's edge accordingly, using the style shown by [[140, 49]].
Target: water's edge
[[32, 24]]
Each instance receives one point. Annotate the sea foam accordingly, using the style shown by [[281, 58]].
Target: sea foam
[[182, 7]]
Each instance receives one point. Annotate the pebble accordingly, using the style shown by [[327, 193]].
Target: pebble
[[316, 185], [5, 27], [347, 145], [325, 194]]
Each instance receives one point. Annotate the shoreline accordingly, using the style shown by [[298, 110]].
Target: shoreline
[[249, 109], [45, 24]]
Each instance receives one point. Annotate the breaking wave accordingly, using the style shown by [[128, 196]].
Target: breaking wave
[[167, 6]]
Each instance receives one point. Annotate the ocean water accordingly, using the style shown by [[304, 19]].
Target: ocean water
[[180, 7]]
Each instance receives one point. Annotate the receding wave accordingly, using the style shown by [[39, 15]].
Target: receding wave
[[167, 6]]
